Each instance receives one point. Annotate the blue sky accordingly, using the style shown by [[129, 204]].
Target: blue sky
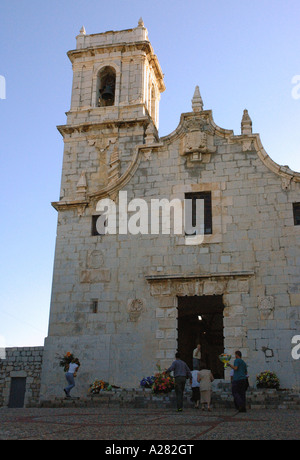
[[241, 54]]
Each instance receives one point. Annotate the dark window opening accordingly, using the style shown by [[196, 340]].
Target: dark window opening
[[94, 306], [296, 211], [94, 226], [206, 196]]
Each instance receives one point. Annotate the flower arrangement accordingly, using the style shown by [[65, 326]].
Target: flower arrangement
[[65, 360], [147, 382], [267, 379], [99, 385], [225, 358], [163, 382]]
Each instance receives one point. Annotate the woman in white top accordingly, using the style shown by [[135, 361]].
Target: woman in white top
[[205, 378], [70, 376], [195, 388]]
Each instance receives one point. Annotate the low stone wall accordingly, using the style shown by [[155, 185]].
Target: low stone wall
[[145, 399], [25, 362]]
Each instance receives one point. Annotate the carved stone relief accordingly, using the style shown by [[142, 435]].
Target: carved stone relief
[[266, 307], [198, 142], [135, 308]]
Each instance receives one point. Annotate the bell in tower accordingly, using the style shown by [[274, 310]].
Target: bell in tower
[[107, 87]]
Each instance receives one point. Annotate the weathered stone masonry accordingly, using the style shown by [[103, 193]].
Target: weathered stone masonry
[[250, 259], [24, 363]]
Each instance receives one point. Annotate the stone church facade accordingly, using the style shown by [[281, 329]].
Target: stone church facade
[[125, 301]]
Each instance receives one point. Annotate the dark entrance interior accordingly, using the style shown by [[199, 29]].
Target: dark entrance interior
[[17, 392], [200, 321]]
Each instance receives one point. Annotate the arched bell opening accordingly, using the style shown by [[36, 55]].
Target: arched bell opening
[[106, 87]]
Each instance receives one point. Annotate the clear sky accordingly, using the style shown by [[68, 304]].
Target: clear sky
[[242, 54]]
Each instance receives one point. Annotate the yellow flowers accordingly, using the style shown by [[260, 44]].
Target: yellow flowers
[[267, 379], [100, 385]]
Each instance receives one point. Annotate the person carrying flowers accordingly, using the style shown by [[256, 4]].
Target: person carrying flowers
[[239, 382], [70, 376]]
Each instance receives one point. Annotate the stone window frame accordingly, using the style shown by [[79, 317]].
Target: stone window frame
[[218, 204], [206, 196]]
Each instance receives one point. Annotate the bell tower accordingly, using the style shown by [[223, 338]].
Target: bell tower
[[118, 70], [117, 82]]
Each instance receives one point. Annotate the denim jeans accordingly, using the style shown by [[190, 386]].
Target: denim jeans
[[71, 382]]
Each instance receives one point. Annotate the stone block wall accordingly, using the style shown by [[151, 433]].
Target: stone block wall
[[23, 362], [250, 258]]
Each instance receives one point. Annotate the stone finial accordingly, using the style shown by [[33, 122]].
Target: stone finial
[[150, 133], [141, 23], [197, 102], [246, 125], [82, 31], [81, 187]]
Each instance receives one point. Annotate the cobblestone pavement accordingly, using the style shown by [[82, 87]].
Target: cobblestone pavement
[[147, 424]]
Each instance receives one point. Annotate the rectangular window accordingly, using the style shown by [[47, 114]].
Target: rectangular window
[[296, 210], [94, 306], [94, 226], [206, 196]]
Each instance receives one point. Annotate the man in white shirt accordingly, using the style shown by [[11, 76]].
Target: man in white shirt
[[197, 357]]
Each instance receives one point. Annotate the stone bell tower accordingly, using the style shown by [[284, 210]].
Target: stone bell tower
[[117, 82]]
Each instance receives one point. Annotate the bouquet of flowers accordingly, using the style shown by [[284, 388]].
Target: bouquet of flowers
[[224, 358], [65, 360], [267, 379], [99, 385], [147, 382], [163, 382]]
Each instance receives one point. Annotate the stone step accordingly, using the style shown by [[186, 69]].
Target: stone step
[[256, 399]]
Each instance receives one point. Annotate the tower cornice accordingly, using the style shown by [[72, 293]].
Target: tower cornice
[[86, 127]]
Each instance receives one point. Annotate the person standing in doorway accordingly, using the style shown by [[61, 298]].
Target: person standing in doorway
[[239, 382], [70, 376], [197, 357], [181, 373]]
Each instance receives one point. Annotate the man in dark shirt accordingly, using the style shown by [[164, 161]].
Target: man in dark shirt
[[181, 373], [240, 382]]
